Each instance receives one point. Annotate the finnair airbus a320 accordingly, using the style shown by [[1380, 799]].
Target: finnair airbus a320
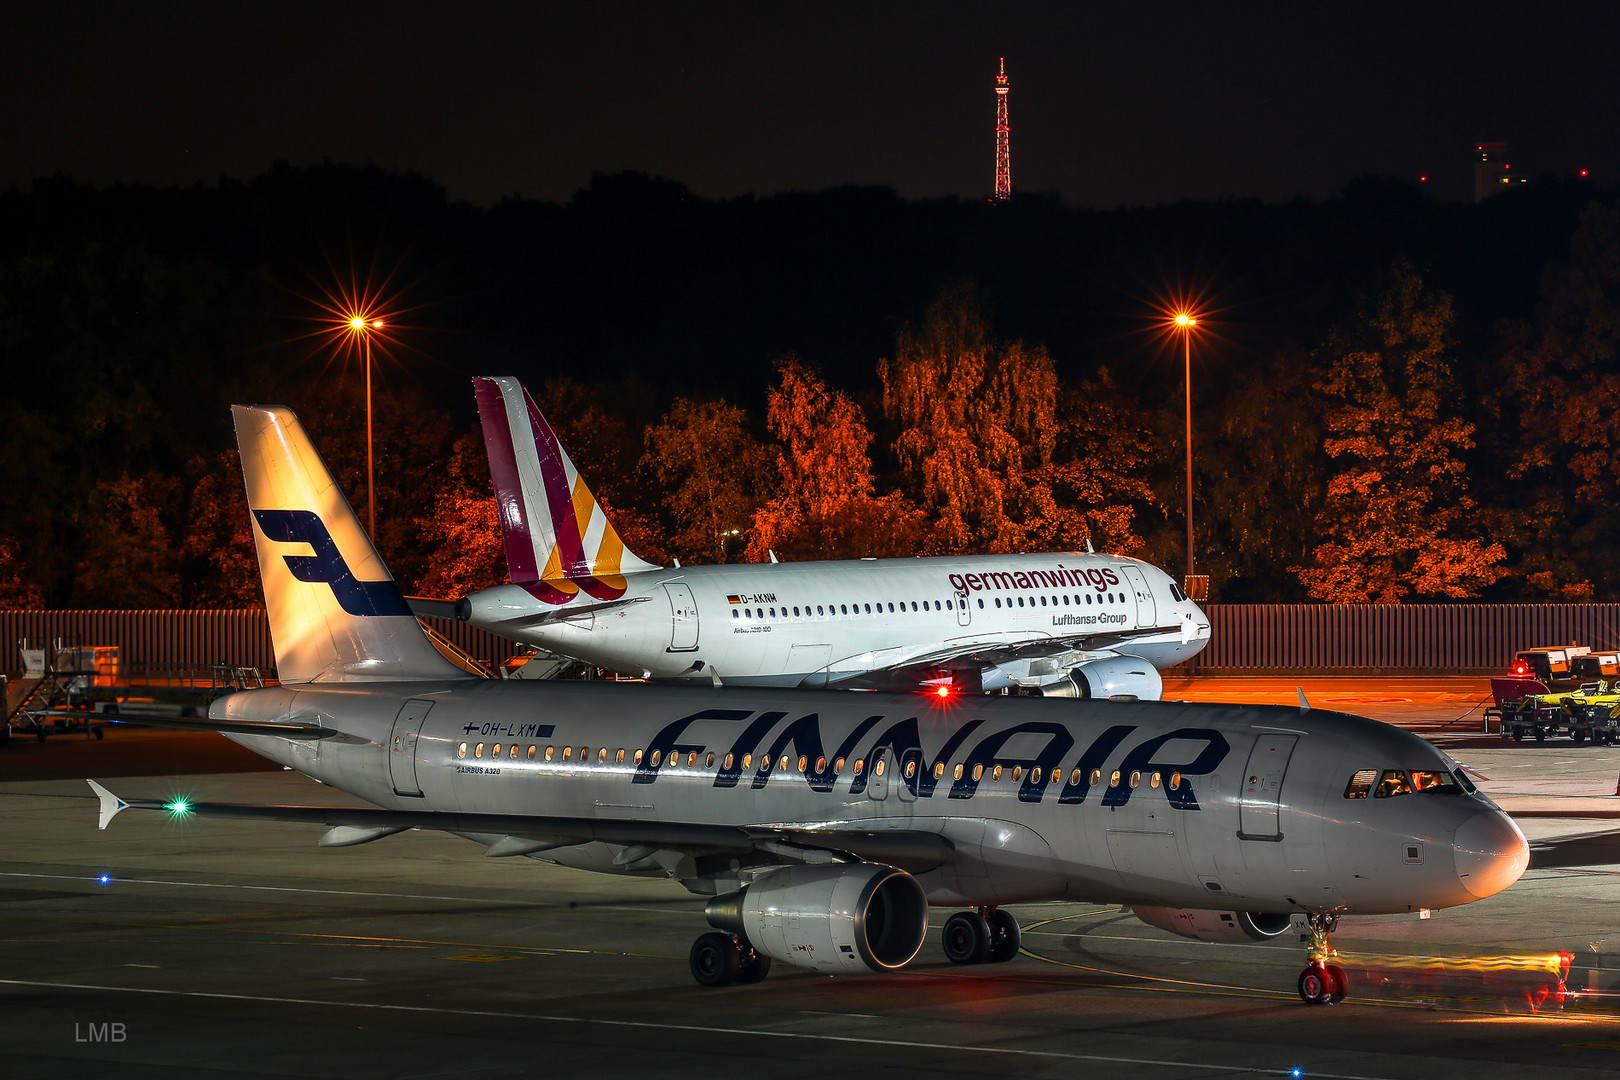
[[824, 824], [1061, 625]]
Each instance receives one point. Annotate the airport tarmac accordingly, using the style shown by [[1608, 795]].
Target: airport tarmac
[[223, 947]]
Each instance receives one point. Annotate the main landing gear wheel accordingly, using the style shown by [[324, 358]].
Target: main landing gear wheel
[[722, 959], [1323, 982], [966, 938], [715, 959], [982, 936]]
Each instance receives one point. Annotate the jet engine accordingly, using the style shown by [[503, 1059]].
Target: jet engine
[[1216, 925], [842, 918], [1114, 676]]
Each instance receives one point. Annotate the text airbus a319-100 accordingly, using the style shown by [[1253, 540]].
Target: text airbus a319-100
[[822, 824], [1073, 624]]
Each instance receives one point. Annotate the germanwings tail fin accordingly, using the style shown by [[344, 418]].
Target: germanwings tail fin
[[335, 613], [558, 539]]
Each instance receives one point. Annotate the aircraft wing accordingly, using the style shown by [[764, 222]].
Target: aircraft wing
[[972, 656], [913, 851]]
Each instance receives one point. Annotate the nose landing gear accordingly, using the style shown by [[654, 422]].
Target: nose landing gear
[[1323, 982]]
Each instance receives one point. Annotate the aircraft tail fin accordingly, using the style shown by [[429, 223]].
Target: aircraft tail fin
[[335, 613], [558, 538]]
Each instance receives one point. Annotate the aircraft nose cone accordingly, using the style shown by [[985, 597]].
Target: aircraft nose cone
[[1491, 853]]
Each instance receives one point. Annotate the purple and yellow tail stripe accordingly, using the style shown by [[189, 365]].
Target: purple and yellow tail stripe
[[545, 506]]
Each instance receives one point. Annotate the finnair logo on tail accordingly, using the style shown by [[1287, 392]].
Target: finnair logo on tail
[[326, 565]]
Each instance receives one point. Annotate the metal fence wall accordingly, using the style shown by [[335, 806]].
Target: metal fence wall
[[1462, 638], [186, 639], [1245, 637]]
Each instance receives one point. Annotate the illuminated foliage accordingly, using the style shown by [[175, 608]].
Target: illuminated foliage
[[128, 558], [221, 567], [826, 509], [462, 533], [714, 475], [1092, 489], [19, 588], [975, 418], [1261, 478], [1564, 388], [1397, 521]]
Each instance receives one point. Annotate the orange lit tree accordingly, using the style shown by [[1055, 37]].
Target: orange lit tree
[[826, 508], [1095, 483], [462, 532], [713, 472], [128, 559], [976, 420], [1398, 521], [1557, 404], [216, 544]]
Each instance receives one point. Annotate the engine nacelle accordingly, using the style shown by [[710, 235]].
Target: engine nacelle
[[843, 918], [1205, 925], [1118, 675]]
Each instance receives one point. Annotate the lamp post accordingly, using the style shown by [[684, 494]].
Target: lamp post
[[1185, 323], [362, 327], [725, 542]]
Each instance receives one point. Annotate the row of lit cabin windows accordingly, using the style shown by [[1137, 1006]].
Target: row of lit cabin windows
[[551, 753], [821, 611]]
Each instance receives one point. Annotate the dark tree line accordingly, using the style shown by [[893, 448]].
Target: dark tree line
[[1394, 399]]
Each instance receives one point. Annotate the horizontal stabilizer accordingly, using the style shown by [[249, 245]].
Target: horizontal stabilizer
[[111, 805], [281, 729], [428, 607]]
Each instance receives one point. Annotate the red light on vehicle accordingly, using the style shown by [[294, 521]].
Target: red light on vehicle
[[942, 691], [1583, 172], [1423, 179]]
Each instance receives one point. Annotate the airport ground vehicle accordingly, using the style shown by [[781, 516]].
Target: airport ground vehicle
[[1526, 707], [67, 689], [55, 684]]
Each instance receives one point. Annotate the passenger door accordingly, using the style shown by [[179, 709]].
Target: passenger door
[[402, 747], [1147, 611], [1258, 814], [683, 617]]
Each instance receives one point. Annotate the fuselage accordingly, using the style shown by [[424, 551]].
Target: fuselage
[[821, 623], [1201, 806]]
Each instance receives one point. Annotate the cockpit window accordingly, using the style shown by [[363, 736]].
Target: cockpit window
[[1435, 783], [1394, 782], [1463, 781], [1177, 595], [1361, 784]]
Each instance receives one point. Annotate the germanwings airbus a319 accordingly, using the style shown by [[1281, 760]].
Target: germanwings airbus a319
[[824, 824], [1060, 625]]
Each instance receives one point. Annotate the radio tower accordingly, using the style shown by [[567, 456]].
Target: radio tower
[[1003, 155]]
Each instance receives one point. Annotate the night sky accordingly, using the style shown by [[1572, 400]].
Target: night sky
[[1134, 103]]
